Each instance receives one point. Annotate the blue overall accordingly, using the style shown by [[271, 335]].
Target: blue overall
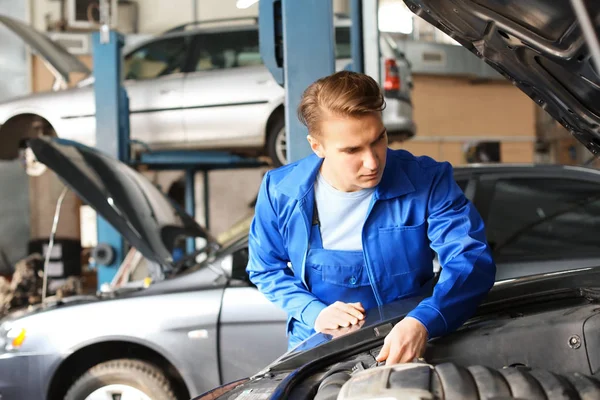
[[343, 269], [416, 210]]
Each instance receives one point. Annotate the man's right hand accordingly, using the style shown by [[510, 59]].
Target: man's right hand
[[339, 315]]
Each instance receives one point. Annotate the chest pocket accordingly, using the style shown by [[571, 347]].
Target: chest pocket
[[405, 249], [342, 268]]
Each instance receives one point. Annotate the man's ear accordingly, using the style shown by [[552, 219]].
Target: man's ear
[[316, 146]]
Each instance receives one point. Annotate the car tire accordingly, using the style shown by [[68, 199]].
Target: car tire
[[276, 142], [122, 375]]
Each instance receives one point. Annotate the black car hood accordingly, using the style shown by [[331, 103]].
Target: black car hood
[[145, 216], [379, 321], [536, 44]]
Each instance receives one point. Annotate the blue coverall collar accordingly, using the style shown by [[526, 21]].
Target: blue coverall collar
[[298, 183]]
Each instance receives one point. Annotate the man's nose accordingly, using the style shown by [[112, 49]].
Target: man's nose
[[370, 161]]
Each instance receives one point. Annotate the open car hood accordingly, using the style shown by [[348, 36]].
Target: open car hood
[[145, 216], [57, 58], [536, 44], [505, 295]]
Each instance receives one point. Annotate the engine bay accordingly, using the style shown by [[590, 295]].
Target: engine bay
[[508, 356], [536, 349]]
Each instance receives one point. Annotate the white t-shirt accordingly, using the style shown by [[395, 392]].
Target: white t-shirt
[[342, 215]]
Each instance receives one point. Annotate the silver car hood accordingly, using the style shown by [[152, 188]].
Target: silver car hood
[[536, 44], [59, 60]]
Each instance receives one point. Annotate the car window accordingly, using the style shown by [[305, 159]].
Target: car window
[[462, 184], [544, 219], [159, 58], [221, 50], [239, 263], [343, 48]]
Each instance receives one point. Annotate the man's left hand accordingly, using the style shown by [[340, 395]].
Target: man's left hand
[[404, 343]]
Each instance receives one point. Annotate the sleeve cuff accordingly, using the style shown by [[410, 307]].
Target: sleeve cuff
[[311, 312], [431, 318]]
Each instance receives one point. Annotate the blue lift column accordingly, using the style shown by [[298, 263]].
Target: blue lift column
[[298, 47], [112, 130]]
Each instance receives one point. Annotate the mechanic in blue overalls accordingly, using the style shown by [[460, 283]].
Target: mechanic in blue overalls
[[355, 226]]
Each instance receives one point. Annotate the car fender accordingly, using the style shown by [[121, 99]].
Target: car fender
[[52, 118], [175, 362]]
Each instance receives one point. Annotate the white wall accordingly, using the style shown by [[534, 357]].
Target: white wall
[[42, 9], [155, 15], [158, 15]]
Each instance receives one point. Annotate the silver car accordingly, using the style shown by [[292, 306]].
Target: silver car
[[193, 87], [194, 327]]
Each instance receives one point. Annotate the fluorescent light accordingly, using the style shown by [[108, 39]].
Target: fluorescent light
[[245, 3]]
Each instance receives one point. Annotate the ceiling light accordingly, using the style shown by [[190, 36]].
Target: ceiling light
[[245, 3]]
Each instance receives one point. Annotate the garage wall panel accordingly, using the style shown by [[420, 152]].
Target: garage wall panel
[[420, 148], [453, 152], [44, 193], [517, 152], [445, 106]]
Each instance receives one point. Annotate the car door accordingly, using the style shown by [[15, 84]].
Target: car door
[[541, 223], [252, 330], [154, 75], [228, 93]]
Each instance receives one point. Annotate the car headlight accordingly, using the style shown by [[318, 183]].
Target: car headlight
[[11, 337]]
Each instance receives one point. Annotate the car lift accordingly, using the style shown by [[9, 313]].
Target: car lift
[[306, 27]]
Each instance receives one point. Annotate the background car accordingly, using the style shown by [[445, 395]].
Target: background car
[[197, 86], [188, 331]]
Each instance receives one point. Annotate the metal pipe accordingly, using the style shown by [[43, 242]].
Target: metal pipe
[[190, 204], [356, 36], [195, 10], [206, 201], [587, 28], [51, 242]]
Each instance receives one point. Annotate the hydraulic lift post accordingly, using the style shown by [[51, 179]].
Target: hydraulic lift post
[[112, 126], [297, 45]]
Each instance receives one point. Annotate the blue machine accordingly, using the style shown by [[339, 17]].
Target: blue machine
[[112, 130]]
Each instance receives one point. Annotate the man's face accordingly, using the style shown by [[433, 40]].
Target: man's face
[[354, 150]]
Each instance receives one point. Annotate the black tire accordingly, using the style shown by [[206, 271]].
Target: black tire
[[273, 136], [140, 375]]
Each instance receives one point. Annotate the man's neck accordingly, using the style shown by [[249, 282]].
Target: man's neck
[[333, 179]]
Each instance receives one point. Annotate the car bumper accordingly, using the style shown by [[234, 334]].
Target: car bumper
[[25, 376], [398, 119]]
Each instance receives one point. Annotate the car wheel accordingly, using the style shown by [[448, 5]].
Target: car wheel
[[277, 142], [123, 379]]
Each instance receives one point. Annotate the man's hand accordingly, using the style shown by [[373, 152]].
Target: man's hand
[[339, 315], [404, 343], [335, 333]]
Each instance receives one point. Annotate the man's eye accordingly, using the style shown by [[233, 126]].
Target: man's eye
[[351, 151]]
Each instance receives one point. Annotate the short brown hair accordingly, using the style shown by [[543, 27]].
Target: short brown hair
[[345, 93]]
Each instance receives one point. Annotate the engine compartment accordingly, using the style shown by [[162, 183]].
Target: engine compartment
[[535, 351], [532, 345]]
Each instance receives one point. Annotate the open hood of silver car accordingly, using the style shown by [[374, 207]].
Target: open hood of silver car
[[57, 58], [145, 216], [536, 44]]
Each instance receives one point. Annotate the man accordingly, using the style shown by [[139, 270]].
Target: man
[[353, 226]]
